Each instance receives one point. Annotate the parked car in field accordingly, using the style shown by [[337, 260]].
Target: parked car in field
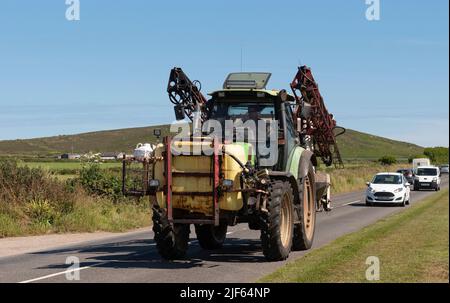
[[388, 188], [444, 169], [408, 173], [427, 177]]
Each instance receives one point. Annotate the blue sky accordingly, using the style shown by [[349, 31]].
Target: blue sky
[[109, 70]]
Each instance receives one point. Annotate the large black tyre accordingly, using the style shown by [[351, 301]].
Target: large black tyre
[[306, 212], [277, 224], [210, 236], [171, 241]]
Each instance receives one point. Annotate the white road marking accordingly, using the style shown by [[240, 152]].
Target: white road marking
[[61, 273], [347, 204], [73, 270], [350, 203], [93, 265]]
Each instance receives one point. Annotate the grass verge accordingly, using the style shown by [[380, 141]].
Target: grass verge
[[88, 214], [412, 246], [34, 202]]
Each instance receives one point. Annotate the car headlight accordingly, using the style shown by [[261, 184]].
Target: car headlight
[[435, 179], [398, 190], [370, 190]]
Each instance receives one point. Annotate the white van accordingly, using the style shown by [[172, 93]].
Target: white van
[[427, 177]]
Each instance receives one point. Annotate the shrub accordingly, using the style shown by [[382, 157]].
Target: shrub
[[437, 155], [387, 160], [32, 202], [20, 185], [98, 182], [41, 212]]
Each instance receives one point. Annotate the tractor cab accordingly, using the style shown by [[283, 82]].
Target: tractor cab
[[244, 106]]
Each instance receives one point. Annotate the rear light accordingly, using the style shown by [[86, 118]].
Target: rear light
[[227, 184], [153, 184]]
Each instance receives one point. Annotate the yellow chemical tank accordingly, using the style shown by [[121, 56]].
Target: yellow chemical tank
[[193, 183]]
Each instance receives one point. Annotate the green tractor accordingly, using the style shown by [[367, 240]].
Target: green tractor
[[249, 156]]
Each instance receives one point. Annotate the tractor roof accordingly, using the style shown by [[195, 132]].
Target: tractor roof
[[248, 84], [247, 92]]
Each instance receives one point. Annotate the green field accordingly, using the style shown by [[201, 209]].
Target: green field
[[412, 246], [355, 146]]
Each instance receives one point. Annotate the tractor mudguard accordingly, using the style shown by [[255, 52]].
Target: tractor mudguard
[[287, 176], [306, 157]]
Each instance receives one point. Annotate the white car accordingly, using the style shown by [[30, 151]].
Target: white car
[[388, 188], [427, 177], [444, 169]]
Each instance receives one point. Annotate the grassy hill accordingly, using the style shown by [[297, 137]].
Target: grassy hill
[[357, 145], [353, 144]]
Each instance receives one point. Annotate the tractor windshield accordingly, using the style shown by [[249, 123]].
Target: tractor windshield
[[243, 111]]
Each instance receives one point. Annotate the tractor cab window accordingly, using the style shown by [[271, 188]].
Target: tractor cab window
[[243, 111]]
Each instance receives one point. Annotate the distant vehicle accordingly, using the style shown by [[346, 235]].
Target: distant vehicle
[[420, 162], [388, 188], [408, 173], [427, 177], [444, 169]]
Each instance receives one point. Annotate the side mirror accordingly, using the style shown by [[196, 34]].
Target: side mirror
[[179, 112], [407, 184], [368, 183]]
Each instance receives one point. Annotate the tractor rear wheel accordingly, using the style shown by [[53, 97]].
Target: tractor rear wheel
[[277, 223], [172, 241], [306, 213], [210, 236]]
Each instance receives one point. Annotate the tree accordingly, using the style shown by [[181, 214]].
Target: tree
[[387, 160], [437, 155]]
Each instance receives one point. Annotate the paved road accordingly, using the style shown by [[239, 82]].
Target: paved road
[[133, 257]]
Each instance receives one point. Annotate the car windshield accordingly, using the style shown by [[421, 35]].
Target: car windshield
[[426, 172], [387, 179]]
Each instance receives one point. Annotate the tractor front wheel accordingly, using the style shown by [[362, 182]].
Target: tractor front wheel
[[277, 223], [172, 241]]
